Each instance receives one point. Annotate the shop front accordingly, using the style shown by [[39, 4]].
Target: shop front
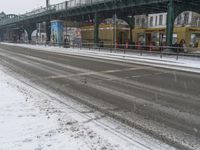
[[194, 37], [157, 36], [150, 38], [107, 35]]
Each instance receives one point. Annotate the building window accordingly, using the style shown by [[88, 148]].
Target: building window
[[179, 19], [151, 21], [161, 20], [143, 23], [138, 21], [186, 18], [198, 22], [156, 21], [194, 22]]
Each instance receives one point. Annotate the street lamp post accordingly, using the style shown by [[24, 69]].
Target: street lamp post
[[47, 4], [115, 30], [170, 22]]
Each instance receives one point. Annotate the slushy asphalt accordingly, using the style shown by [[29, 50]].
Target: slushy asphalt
[[164, 103]]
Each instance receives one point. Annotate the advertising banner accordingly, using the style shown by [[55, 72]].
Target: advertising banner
[[57, 29]]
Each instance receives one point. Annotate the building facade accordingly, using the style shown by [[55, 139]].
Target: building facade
[[151, 29]]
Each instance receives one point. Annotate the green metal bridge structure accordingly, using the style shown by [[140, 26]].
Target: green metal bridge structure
[[97, 10]]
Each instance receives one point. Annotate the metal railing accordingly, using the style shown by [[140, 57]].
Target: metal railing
[[160, 51], [129, 50]]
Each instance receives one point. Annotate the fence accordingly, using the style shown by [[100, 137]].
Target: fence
[[161, 51]]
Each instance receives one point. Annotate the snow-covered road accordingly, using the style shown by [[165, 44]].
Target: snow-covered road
[[35, 119], [191, 64]]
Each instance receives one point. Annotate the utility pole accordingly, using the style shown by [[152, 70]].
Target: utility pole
[[170, 22], [96, 29], [47, 4], [115, 37], [115, 28]]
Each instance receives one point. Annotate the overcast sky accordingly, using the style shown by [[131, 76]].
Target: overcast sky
[[21, 6]]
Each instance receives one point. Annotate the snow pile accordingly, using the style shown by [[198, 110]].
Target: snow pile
[[30, 119]]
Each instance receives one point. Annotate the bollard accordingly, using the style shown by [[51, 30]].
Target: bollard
[[127, 45], [177, 51], [161, 53]]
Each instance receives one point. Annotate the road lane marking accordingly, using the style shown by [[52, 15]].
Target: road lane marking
[[150, 74], [111, 77]]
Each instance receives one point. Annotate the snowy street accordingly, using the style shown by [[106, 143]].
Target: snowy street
[[184, 63], [56, 100], [100, 75], [32, 120]]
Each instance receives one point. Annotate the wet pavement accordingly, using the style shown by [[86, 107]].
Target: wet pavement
[[161, 102]]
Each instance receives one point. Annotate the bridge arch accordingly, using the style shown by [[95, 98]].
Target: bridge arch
[[184, 8], [29, 35], [180, 13], [188, 24], [30, 28], [128, 21], [173, 11], [102, 22]]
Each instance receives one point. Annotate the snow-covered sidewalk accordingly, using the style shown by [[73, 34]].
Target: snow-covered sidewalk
[[33, 119], [191, 64]]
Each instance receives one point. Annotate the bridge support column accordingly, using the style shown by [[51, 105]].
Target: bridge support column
[[16, 35], [131, 34], [170, 23], [1, 35], [130, 20], [132, 26], [9, 35], [6, 35], [29, 29], [48, 32], [96, 29], [29, 35], [19, 33]]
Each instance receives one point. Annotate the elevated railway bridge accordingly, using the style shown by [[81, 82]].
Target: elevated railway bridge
[[96, 10]]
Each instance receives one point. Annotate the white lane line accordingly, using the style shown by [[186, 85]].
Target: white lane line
[[109, 77], [150, 74]]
